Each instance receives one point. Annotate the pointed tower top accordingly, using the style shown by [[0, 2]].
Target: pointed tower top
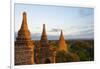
[[61, 36], [62, 43], [24, 22], [44, 30], [44, 36], [24, 33], [43, 25]]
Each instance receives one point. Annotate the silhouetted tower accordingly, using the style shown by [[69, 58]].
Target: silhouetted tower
[[24, 47], [62, 44]]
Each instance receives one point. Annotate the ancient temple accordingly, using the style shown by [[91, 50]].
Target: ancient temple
[[24, 47], [27, 52], [43, 54], [63, 50], [62, 44]]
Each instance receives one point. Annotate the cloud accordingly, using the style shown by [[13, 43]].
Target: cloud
[[86, 12], [36, 34], [83, 31], [38, 27], [55, 30]]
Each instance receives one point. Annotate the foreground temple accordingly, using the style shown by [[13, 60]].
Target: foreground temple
[[24, 48]]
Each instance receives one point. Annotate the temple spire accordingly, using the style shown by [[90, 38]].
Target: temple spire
[[24, 22], [44, 36], [62, 43], [24, 47], [24, 33], [61, 36]]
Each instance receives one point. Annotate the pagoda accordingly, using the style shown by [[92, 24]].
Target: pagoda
[[43, 53], [24, 47], [62, 44]]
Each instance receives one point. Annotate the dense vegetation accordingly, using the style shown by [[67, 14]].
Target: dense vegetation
[[79, 50], [83, 48]]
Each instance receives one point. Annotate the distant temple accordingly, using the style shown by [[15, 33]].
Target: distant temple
[[43, 54], [26, 52], [24, 48], [62, 44]]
